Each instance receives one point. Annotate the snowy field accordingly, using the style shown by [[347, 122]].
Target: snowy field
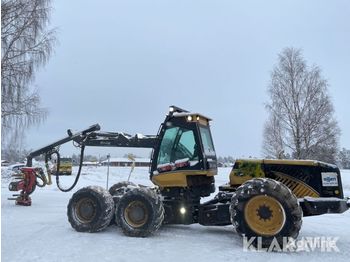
[[42, 233]]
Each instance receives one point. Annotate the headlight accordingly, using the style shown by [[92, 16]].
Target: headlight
[[182, 210]]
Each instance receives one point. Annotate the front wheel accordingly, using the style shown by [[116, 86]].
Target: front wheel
[[266, 209], [119, 189], [90, 209], [139, 212]]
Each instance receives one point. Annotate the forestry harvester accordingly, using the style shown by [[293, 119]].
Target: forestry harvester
[[264, 198]]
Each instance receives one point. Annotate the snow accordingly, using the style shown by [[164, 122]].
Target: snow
[[42, 232]]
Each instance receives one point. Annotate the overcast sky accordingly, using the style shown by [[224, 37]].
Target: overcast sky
[[122, 63]]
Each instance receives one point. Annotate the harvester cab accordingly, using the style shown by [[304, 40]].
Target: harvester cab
[[184, 156]]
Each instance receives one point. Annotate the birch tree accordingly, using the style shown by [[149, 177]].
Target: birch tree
[[301, 119], [26, 44]]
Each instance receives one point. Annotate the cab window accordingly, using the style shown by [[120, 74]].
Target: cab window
[[167, 145], [178, 143], [207, 141]]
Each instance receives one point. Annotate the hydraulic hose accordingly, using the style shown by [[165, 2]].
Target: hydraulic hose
[[78, 174], [47, 156], [40, 175], [47, 181]]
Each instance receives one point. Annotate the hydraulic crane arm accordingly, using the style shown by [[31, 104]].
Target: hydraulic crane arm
[[89, 137], [78, 137], [109, 139]]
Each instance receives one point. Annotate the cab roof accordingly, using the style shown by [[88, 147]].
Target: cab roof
[[186, 114], [175, 111]]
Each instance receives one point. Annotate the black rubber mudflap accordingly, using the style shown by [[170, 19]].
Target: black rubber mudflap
[[153, 207], [275, 189], [94, 201]]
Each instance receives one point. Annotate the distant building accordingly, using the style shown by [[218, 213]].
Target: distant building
[[91, 163], [122, 161], [5, 163]]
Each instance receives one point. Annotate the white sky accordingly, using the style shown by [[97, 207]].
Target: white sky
[[122, 63]]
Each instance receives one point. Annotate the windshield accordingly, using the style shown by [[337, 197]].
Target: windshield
[[207, 141], [178, 143]]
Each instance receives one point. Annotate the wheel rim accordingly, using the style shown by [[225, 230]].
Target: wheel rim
[[85, 210], [136, 214], [265, 215]]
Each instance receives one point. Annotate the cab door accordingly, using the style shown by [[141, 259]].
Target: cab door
[[178, 156]]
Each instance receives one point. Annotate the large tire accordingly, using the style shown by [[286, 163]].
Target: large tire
[[265, 208], [90, 209], [119, 189], [139, 212]]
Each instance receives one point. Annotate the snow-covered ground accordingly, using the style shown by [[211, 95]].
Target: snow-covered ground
[[42, 233]]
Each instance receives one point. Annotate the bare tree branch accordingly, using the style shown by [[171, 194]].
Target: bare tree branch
[[26, 44]]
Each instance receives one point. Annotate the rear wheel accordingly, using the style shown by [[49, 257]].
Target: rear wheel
[[90, 209], [139, 212], [265, 208]]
